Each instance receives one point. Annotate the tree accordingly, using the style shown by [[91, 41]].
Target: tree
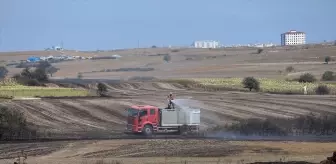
[[3, 72], [26, 73], [167, 57], [327, 59], [251, 83], [44, 64], [102, 89], [307, 78], [51, 70], [40, 74], [328, 76]]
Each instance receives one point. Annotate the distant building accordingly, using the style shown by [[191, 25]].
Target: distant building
[[57, 48], [206, 44], [293, 37]]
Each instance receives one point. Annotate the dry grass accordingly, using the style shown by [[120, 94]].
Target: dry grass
[[9, 87], [229, 62], [267, 85], [24, 91]]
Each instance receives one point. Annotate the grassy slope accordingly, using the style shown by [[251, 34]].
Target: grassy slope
[[267, 85], [40, 91], [9, 87]]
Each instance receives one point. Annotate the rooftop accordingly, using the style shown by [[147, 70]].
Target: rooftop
[[143, 106], [294, 32]]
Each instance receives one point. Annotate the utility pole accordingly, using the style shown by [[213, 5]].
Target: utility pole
[[138, 49], [0, 37]]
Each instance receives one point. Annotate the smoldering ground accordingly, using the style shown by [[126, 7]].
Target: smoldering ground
[[303, 128]]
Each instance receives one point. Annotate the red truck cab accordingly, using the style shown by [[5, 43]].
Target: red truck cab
[[142, 119]]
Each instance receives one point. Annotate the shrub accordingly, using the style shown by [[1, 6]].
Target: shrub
[[11, 122], [259, 51], [9, 82], [257, 126], [251, 83], [167, 58], [327, 59], [32, 82], [289, 69], [322, 90], [3, 72], [79, 75], [102, 89], [312, 124], [307, 78], [32, 78], [328, 76]]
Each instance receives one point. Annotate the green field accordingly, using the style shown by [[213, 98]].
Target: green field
[[25, 91], [266, 85]]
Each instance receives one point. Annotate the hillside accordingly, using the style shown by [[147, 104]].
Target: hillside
[[191, 62], [221, 105], [102, 116]]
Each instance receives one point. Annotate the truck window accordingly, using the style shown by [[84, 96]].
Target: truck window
[[152, 111], [143, 113], [132, 112]]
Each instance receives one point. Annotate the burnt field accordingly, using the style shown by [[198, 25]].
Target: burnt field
[[245, 113], [107, 115], [167, 151]]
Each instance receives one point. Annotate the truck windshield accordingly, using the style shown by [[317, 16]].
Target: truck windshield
[[132, 112]]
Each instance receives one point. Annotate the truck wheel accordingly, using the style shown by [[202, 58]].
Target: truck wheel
[[147, 130]]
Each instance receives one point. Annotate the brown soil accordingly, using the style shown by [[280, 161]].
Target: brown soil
[[107, 115], [168, 151], [238, 62], [103, 117], [218, 108]]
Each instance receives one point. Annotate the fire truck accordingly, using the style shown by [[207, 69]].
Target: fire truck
[[148, 119]]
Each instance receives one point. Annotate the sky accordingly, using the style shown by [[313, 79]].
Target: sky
[[117, 24]]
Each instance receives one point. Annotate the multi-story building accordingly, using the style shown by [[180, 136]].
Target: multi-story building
[[206, 44], [293, 37]]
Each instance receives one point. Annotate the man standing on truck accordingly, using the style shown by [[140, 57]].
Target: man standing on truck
[[170, 98]]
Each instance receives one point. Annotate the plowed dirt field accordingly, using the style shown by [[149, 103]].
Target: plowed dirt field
[[165, 151], [107, 115]]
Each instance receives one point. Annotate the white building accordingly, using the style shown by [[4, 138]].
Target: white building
[[206, 44], [293, 37]]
